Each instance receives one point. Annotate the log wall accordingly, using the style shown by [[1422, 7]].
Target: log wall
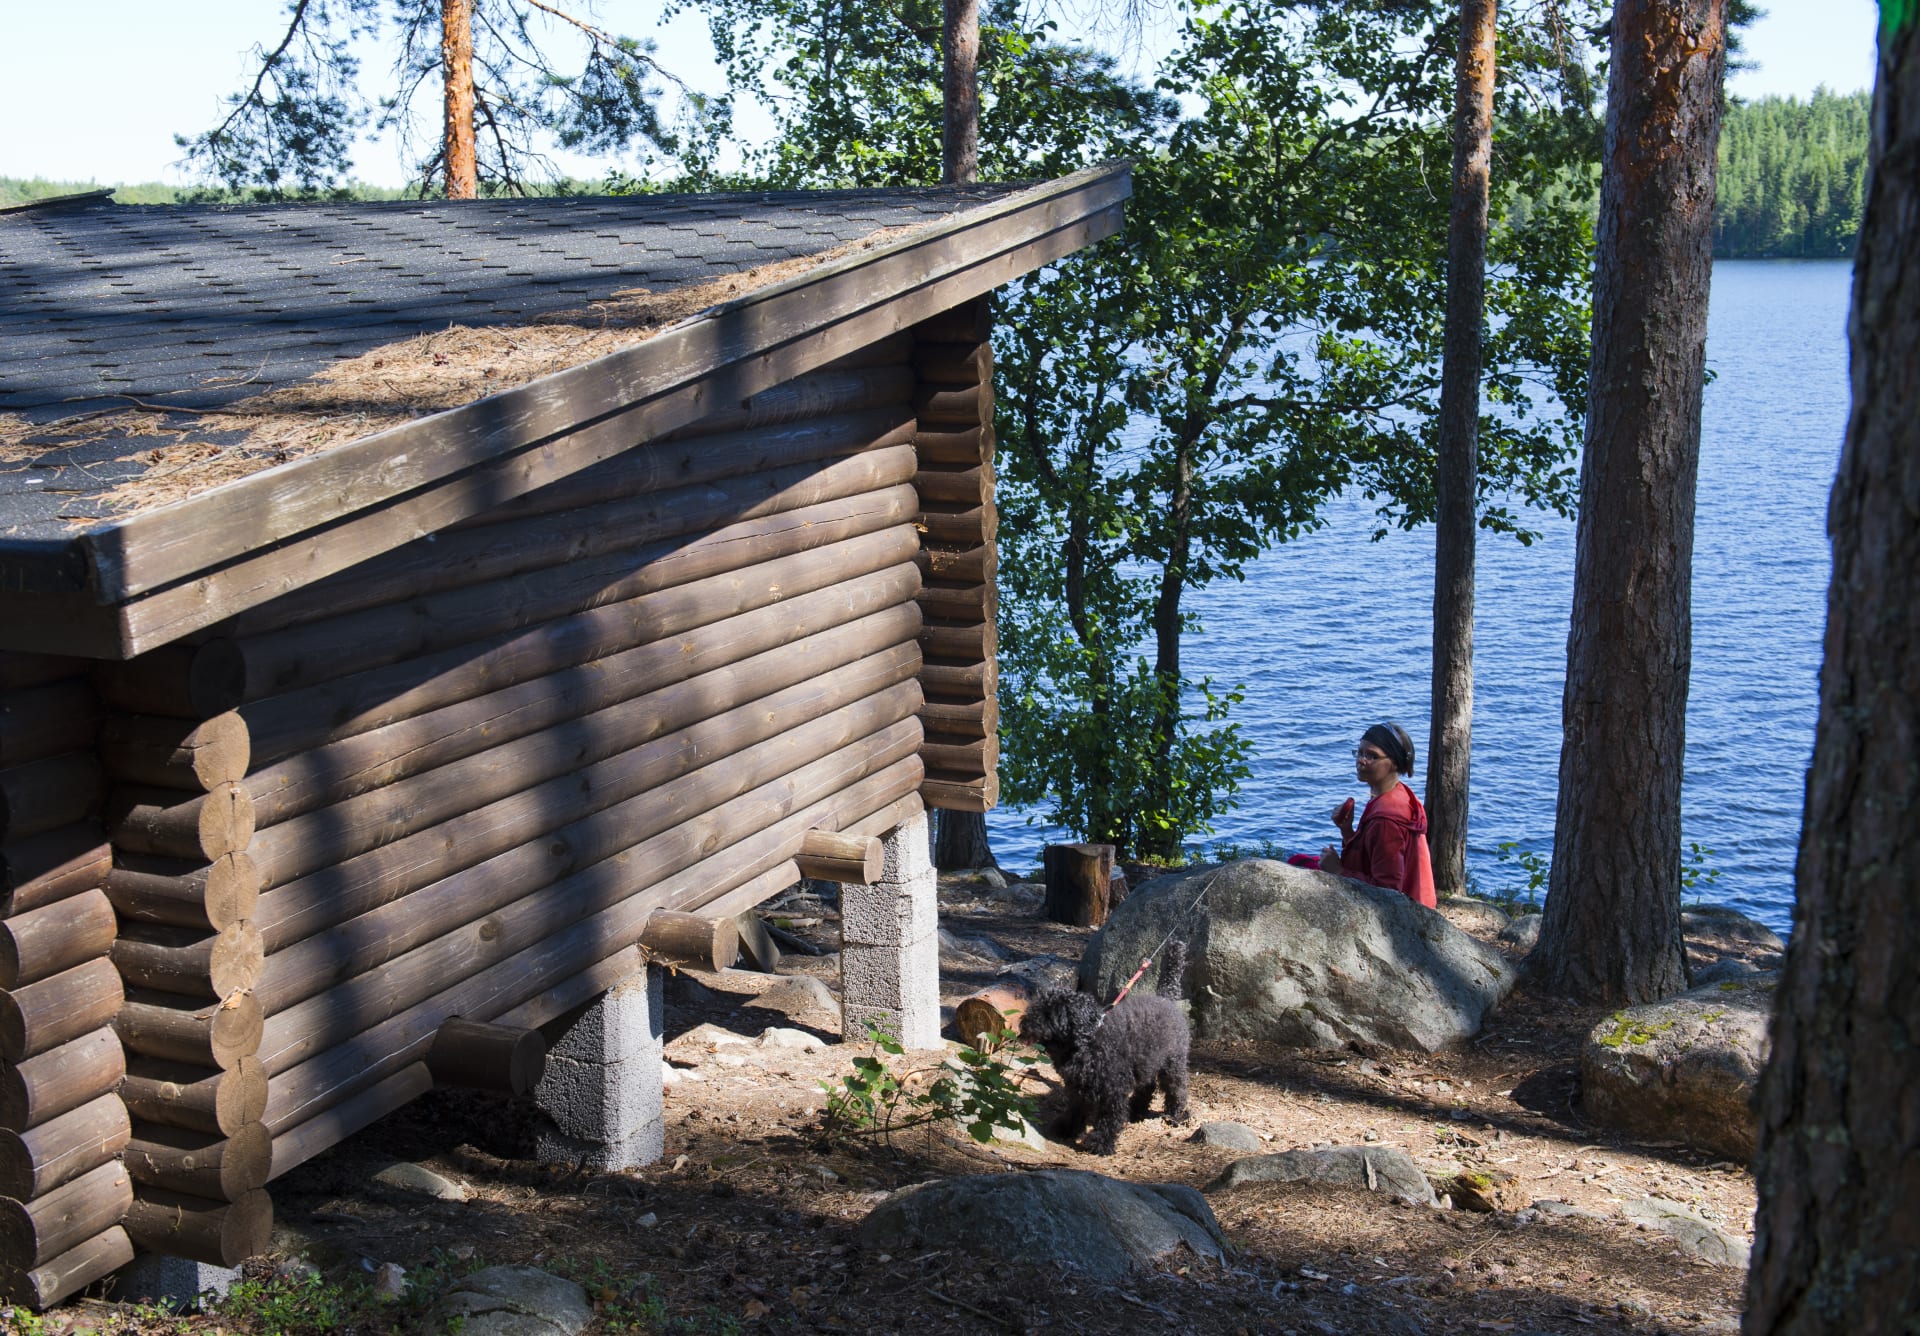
[[953, 405], [248, 879], [63, 1191]]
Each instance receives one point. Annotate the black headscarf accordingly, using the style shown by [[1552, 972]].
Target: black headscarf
[[1393, 742]]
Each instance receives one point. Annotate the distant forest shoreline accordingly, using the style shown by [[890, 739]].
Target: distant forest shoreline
[[1791, 182]]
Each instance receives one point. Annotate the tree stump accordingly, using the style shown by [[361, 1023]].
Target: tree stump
[[1079, 883], [987, 1012]]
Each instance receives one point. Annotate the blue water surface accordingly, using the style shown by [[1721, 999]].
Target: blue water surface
[[1333, 631]]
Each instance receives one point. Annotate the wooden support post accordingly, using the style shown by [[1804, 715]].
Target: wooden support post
[[487, 1057], [61, 1007], [43, 942], [831, 856], [756, 944], [215, 1232], [684, 941], [1077, 883], [62, 1078]]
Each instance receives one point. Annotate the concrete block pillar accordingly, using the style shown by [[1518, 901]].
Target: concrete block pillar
[[600, 1099], [889, 951], [171, 1282]]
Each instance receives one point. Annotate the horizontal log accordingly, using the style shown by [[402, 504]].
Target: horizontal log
[[173, 824], [975, 565], [573, 752], [173, 753], [543, 831], [20, 669], [43, 1286], [179, 1095], [49, 868], [961, 793], [955, 485], [961, 681], [64, 1006], [966, 719], [224, 1168], [960, 756], [960, 522], [44, 942], [728, 570], [215, 1232], [885, 819], [623, 648], [683, 941], [576, 990], [813, 395], [952, 364], [894, 350], [636, 527], [969, 322], [189, 962], [478, 1056], [205, 897], [63, 1078], [47, 720], [832, 856], [184, 681], [43, 795], [34, 1233], [958, 603], [35, 1162], [954, 406], [959, 445], [562, 953], [410, 949], [963, 641], [325, 1130], [178, 1029]]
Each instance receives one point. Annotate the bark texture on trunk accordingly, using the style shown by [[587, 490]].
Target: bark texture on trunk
[[960, 841], [1612, 929], [1838, 1227], [456, 66], [960, 141], [1456, 476]]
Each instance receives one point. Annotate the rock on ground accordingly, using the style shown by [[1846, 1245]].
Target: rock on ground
[[1374, 1168], [1684, 1069], [404, 1177], [1523, 932], [1471, 915], [1102, 1227], [1302, 957], [1233, 1136], [513, 1301], [1730, 925], [1689, 1229]]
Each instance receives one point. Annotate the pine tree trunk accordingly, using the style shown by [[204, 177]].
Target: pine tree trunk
[[960, 841], [960, 140], [456, 67], [1612, 927], [1456, 477], [1839, 1159]]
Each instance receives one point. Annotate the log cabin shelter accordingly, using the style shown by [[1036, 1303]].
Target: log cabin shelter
[[415, 618]]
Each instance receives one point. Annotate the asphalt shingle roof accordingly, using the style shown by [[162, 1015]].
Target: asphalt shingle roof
[[196, 306]]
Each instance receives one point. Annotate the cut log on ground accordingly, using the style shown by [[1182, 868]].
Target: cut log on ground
[[990, 1011], [1078, 882], [756, 944]]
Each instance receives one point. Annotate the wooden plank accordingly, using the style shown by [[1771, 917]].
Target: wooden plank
[[635, 526], [733, 570], [375, 1053], [830, 388], [42, 721], [611, 638], [62, 1078], [59, 624], [159, 547], [496, 918], [43, 942], [968, 322]]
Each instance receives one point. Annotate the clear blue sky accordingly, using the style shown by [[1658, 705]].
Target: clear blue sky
[[96, 90]]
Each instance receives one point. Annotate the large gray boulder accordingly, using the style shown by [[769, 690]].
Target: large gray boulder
[[1684, 1069], [1372, 1168], [513, 1301], [1301, 957], [1103, 1227]]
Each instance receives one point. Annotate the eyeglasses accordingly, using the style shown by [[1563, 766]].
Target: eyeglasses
[[1366, 757]]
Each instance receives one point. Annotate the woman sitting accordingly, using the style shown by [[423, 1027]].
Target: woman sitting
[[1389, 846]]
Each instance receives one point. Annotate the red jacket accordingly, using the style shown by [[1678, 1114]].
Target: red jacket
[[1389, 848]]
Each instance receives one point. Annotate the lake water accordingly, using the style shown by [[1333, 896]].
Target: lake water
[[1315, 678]]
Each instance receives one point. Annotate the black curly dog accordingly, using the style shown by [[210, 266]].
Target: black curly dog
[[1110, 1066]]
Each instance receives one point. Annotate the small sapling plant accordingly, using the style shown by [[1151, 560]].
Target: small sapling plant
[[980, 1087]]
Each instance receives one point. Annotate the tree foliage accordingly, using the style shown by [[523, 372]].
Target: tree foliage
[[290, 133], [1792, 177]]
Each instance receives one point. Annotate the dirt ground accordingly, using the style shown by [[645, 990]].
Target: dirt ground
[[749, 1223]]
